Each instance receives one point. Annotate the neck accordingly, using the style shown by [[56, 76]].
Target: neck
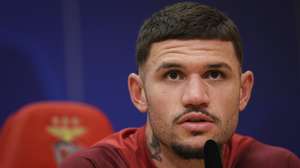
[[162, 156]]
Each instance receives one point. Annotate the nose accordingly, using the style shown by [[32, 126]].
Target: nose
[[195, 92]]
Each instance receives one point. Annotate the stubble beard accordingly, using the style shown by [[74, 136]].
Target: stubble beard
[[169, 141], [183, 151], [188, 152]]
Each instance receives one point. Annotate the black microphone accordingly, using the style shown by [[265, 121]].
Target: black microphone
[[212, 158]]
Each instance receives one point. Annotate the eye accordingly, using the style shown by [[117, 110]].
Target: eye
[[214, 75], [173, 75]]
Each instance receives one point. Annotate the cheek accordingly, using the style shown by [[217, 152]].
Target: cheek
[[226, 104], [162, 97], [163, 105], [230, 117]]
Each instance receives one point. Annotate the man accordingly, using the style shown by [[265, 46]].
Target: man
[[191, 84]]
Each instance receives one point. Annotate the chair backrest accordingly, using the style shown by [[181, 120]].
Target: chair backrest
[[41, 135]]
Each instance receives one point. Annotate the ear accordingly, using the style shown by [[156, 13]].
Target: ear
[[137, 93], [247, 81]]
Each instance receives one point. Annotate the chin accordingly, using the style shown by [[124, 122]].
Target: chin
[[191, 148], [195, 142], [188, 151], [196, 139]]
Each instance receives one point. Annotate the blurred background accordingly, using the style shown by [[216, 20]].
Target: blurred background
[[84, 50]]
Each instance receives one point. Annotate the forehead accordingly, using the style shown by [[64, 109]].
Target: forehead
[[192, 52]]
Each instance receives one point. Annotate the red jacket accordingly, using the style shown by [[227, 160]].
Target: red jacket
[[127, 149]]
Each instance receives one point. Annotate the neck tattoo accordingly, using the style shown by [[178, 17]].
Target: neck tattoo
[[155, 149]]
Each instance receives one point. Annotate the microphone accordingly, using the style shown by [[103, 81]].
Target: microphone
[[212, 157]]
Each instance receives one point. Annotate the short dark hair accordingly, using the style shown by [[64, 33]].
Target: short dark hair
[[185, 21]]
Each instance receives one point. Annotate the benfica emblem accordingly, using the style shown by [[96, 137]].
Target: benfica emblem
[[65, 129]]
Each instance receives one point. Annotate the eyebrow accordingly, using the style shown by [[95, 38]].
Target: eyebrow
[[209, 66], [168, 66], [219, 65]]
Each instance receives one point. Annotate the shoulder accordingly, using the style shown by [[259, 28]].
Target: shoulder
[[254, 153], [103, 155], [109, 152]]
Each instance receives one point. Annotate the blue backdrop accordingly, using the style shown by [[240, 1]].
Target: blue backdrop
[[84, 51]]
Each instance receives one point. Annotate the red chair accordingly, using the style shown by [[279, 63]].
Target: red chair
[[41, 135]]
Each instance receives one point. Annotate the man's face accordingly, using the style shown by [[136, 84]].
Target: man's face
[[192, 91]]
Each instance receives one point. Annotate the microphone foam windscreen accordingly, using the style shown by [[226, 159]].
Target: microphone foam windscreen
[[212, 157]]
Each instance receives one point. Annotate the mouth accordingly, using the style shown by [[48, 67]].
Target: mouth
[[195, 117], [196, 122]]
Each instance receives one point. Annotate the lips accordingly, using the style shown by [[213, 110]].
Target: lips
[[195, 117], [196, 122]]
